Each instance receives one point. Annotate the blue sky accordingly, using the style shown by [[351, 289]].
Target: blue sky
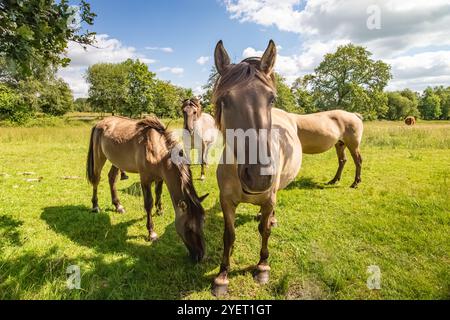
[[411, 37]]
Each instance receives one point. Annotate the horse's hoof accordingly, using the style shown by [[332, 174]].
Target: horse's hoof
[[152, 237], [258, 217], [124, 177], [332, 182], [159, 212], [354, 186], [120, 209], [95, 210], [262, 274], [202, 178], [220, 288]]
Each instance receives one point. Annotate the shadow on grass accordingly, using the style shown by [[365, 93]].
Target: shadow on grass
[[159, 270], [8, 230], [305, 183], [134, 189]]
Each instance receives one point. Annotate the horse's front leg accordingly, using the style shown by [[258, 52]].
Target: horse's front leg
[[112, 177], [262, 269], [204, 153], [220, 286], [340, 151]]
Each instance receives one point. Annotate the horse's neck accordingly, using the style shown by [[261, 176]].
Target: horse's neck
[[172, 178], [198, 126]]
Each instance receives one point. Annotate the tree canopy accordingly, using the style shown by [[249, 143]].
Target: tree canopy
[[349, 79], [34, 34], [130, 88]]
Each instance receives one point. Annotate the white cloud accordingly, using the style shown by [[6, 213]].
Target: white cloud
[[106, 49], [420, 70], [163, 49], [251, 52], [175, 70], [202, 60], [322, 25]]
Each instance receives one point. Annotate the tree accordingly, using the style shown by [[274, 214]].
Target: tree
[[141, 83], [82, 105], [108, 91], [34, 34], [398, 106], [208, 88], [430, 105], [303, 97], [56, 98], [351, 80], [167, 100], [285, 99], [444, 95], [12, 107]]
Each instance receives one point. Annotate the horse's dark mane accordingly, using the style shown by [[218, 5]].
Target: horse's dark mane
[[187, 186], [239, 75]]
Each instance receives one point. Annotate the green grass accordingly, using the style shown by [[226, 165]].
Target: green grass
[[398, 219]]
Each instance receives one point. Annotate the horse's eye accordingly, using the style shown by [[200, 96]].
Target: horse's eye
[[273, 100]]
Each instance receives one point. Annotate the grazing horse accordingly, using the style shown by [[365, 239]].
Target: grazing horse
[[243, 96], [319, 132], [200, 131], [146, 147], [410, 121]]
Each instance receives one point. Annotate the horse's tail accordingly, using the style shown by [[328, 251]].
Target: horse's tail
[[359, 116], [90, 175]]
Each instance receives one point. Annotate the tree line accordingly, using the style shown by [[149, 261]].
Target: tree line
[[130, 88], [34, 36]]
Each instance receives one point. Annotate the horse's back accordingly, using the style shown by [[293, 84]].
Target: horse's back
[[121, 143], [320, 131]]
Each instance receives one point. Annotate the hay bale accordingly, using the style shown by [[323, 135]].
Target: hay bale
[[410, 121]]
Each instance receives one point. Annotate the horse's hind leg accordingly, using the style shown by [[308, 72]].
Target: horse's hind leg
[[112, 177], [99, 162], [158, 192], [356, 155], [340, 151], [148, 204]]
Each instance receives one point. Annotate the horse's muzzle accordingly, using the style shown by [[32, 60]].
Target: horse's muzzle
[[255, 179]]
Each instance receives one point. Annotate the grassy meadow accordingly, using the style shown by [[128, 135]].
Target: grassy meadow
[[327, 236]]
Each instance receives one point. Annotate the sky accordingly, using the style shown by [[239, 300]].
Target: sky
[[176, 38]]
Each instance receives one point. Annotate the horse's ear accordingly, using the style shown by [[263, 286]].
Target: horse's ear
[[221, 58], [202, 198], [269, 58]]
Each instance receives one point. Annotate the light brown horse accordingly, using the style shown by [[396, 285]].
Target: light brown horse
[[200, 131], [146, 147], [319, 132], [244, 96]]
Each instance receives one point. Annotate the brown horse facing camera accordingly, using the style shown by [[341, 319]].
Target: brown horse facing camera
[[244, 96], [146, 147]]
